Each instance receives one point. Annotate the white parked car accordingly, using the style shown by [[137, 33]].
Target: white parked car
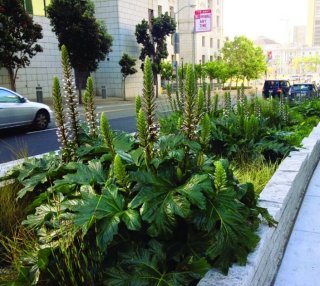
[[16, 110]]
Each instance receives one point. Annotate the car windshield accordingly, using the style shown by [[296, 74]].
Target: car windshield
[[302, 87]]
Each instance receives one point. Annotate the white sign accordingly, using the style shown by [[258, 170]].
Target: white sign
[[202, 20]]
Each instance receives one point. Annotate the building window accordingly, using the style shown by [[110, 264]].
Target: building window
[[209, 4], [218, 21], [171, 12], [172, 39], [218, 2], [211, 58], [172, 58], [218, 44], [203, 59], [211, 42], [159, 10], [203, 41]]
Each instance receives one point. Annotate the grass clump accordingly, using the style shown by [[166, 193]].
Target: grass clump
[[258, 173]]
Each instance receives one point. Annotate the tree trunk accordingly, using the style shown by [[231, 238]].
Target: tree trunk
[[155, 78], [80, 88], [124, 89], [80, 76], [12, 79]]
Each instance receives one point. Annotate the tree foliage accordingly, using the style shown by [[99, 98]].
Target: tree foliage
[[85, 38], [18, 37], [217, 69], [243, 58], [152, 36], [309, 63], [127, 68], [166, 70]]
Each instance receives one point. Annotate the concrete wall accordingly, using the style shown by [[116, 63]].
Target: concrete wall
[[43, 67], [121, 18]]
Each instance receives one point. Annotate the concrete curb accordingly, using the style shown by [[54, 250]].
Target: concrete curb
[[282, 196]]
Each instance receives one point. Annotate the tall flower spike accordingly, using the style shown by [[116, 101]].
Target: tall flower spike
[[90, 107], [149, 105], [205, 129], [71, 101], [257, 107], [220, 176], [107, 133], [60, 118], [142, 128], [169, 93], [138, 104], [189, 116], [215, 103], [201, 103], [227, 104], [120, 171], [208, 99], [181, 93]]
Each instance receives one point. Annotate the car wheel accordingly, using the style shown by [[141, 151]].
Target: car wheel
[[41, 120]]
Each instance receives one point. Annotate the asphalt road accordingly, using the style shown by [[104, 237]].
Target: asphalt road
[[22, 142], [18, 143]]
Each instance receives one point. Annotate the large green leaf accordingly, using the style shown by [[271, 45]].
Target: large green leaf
[[160, 201], [150, 266], [90, 174], [107, 210], [43, 213], [32, 183], [123, 141]]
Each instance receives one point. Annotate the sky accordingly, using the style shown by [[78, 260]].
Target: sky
[[273, 19]]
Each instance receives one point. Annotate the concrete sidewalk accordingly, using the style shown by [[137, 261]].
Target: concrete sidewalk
[[300, 265]]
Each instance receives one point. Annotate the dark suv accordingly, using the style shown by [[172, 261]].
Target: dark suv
[[308, 90], [275, 88]]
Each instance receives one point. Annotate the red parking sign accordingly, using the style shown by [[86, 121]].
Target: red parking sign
[[202, 20]]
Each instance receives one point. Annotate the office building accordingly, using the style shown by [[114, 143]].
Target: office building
[[121, 18], [313, 25]]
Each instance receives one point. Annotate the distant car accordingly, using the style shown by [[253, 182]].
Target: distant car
[[16, 110], [275, 87], [307, 90]]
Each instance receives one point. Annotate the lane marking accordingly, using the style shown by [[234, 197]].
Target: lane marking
[[33, 132]]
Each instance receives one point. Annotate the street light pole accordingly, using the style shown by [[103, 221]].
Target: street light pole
[[177, 41]]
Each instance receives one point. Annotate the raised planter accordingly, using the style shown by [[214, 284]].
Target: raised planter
[[282, 196]]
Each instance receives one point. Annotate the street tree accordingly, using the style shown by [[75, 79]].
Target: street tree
[[244, 59], [216, 70], [85, 38], [166, 71], [18, 38], [152, 36], [127, 68], [306, 64]]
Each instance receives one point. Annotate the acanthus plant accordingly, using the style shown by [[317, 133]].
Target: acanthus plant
[[154, 209]]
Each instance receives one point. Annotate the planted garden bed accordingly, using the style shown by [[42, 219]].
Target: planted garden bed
[[282, 197], [157, 208]]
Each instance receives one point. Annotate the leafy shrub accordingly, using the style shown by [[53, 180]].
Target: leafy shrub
[[152, 204], [158, 207]]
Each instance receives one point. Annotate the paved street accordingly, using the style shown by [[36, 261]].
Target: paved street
[[20, 142]]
